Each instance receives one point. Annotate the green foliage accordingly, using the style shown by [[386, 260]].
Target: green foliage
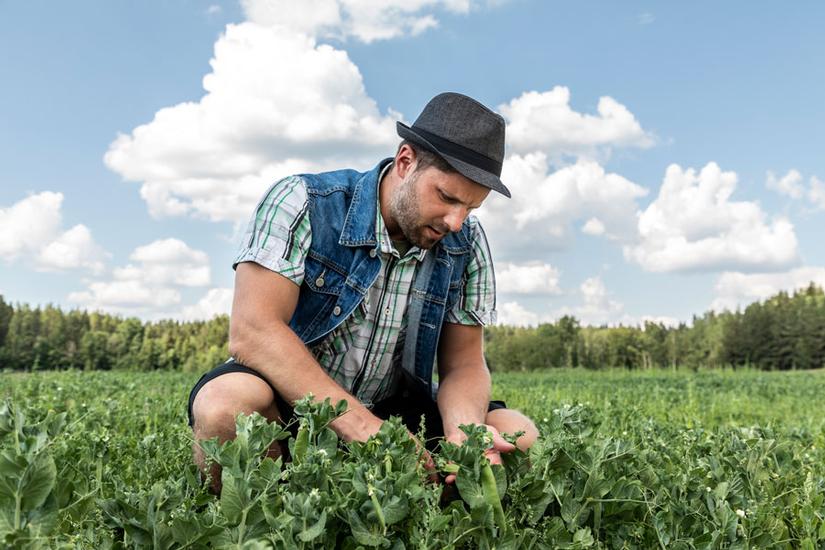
[[625, 460], [786, 332], [48, 338]]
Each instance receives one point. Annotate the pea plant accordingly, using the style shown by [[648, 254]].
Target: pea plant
[[104, 461]]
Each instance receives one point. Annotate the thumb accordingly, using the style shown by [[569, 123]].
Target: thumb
[[499, 443]]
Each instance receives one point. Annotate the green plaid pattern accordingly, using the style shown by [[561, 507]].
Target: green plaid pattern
[[364, 353]]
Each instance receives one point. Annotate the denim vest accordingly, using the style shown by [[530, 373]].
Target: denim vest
[[343, 263]]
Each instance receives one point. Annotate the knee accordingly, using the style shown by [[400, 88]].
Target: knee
[[213, 417], [219, 401], [511, 421]]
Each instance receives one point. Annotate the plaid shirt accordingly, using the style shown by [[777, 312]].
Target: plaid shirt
[[365, 351]]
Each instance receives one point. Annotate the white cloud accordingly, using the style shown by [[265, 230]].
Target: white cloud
[[735, 289], [125, 296], [72, 250], [214, 9], [816, 193], [546, 122], [366, 20], [29, 224], [790, 184], [694, 226], [594, 226], [31, 230], [514, 314], [598, 306], [167, 262], [530, 278], [217, 301], [277, 103], [544, 205], [151, 283]]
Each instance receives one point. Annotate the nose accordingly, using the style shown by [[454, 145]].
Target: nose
[[455, 218]]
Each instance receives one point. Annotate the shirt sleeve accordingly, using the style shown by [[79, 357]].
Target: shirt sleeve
[[477, 302], [279, 234]]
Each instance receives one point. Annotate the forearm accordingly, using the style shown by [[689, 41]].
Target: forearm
[[282, 359], [463, 398]]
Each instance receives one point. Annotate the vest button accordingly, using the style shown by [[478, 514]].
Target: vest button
[[319, 282], [373, 253], [336, 311]]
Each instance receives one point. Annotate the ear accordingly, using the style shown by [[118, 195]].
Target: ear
[[404, 161]]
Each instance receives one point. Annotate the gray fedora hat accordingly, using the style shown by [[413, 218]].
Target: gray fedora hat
[[465, 133]]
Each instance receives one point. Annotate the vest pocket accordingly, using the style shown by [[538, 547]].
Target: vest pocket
[[322, 278]]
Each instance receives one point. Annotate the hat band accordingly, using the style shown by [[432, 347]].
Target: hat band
[[447, 147]]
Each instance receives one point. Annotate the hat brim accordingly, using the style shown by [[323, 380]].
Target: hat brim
[[474, 173]]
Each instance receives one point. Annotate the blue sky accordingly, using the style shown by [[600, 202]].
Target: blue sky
[[665, 158]]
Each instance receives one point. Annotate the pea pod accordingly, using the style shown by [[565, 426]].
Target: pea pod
[[379, 512], [301, 444], [491, 496]]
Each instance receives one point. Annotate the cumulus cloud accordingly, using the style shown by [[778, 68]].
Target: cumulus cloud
[[514, 314], [125, 296], [816, 193], [32, 230], [790, 184], [530, 278], [365, 20], [593, 226], [277, 103], [545, 205], [72, 250], [598, 307], [151, 282], [545, 121], [735, 289], [167, 262], [693, 225], [217, 301]]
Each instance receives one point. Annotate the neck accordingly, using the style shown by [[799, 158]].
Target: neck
[[386, 189]]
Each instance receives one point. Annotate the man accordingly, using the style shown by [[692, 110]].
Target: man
[[351, 285]]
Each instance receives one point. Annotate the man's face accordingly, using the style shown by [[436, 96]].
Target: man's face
[[431, 203]]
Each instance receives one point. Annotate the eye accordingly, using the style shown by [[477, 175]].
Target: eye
[[446, 198]]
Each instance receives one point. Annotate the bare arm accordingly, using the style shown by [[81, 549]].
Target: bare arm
[[260, 338], [464, 381]]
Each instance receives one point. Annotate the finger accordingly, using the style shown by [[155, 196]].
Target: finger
[[493, 456], [499, 443], [450, 479]]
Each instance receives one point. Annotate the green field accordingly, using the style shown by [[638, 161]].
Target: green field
[[714, 459]]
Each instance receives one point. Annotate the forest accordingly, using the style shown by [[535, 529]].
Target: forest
[[784, 332]]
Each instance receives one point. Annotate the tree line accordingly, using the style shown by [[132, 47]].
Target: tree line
[[784, 332], [50, 338]]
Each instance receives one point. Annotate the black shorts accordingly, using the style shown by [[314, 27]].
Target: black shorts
[[409, 403]]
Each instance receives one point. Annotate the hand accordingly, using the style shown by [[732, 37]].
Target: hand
[[493, 454], [356, 425]]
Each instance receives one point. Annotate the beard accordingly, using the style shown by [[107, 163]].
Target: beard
[[405, 208]]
